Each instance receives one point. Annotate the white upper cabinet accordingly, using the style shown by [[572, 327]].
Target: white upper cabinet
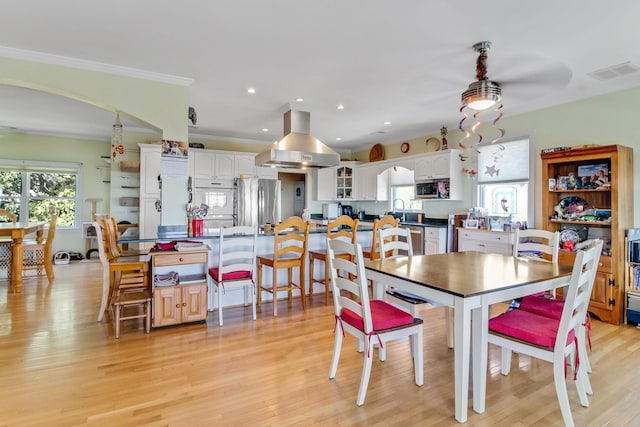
[[372, 182], [438, 165], [150, 157], [326, 183], [245, 164], [213, 165]]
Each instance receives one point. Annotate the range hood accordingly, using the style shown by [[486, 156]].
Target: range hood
[[297, 148]]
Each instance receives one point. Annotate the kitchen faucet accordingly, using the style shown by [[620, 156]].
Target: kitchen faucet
[[403, 208]]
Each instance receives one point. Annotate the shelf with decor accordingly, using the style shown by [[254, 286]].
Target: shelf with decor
[[585, 196]]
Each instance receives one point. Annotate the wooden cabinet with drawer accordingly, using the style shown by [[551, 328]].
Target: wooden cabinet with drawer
[[497, 242], [187, 300]]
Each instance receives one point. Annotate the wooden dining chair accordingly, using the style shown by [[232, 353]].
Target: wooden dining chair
[[39, 256], [553, 340], [343, 227], [372, 322], [371, 253], [391, 242], [290, 246], [113, 246], [129, 273], [236, 265]]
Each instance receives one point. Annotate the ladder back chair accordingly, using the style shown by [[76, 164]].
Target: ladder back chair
[[236, 265], [372, 253], [39, 256], [391, 242], [290, 245], [5, 242], [343, 227], [553, 340], [372, 322]]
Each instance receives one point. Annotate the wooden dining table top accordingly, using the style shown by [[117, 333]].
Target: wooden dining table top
[[469, 273], [20, 228]]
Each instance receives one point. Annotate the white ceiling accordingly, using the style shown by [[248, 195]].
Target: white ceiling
[[403, 61]]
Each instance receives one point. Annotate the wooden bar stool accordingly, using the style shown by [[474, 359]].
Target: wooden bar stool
[[372, 253], [290, 242], [344, 228]]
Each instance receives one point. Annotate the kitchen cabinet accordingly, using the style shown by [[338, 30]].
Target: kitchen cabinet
[[149, 201], [435, 240], [213, 164], [150, 157], [497, 242], [371, 182], [344, 178], [605, 210], [441, 165], [245, 164], [325, 183], [186, 301], [437, 165]]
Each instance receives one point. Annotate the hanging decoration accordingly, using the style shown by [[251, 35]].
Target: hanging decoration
[[116, 138]]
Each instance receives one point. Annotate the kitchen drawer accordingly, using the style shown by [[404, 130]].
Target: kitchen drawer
[[487, 236], [179, 258], [568, 258]]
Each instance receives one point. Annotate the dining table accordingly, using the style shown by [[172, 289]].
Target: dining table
[[17, 232], [470, 282]]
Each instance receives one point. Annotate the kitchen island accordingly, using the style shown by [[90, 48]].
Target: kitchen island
[[235, 297]]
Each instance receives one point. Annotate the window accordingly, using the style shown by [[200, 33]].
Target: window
[[504, 180], [403, 190], [29, 189]]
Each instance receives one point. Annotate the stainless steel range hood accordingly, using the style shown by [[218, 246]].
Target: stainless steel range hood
[[297, 148]]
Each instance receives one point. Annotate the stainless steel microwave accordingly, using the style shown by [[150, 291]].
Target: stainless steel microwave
[[432, 189]]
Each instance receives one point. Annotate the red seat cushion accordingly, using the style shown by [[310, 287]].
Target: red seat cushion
[[543, 306], [383, 314], [231, 275], [529, 327]]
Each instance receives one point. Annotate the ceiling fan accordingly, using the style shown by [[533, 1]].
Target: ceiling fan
[[483, 93]]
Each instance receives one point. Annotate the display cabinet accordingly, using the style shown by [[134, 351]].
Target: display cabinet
[[587, 192]]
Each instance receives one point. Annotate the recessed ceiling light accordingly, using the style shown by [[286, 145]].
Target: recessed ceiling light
[[299, 99], [251, 90], [340, 107], [386, 123], [338, 139], [265, 130]]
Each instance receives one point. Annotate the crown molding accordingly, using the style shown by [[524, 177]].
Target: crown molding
[[82, 64]]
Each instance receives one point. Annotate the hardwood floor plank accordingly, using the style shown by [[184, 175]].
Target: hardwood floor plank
[[59, 367]]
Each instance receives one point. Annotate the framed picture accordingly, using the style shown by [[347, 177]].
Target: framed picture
[[562, 183], [175, 148], [552, 184], [593, 176], [471, 223]]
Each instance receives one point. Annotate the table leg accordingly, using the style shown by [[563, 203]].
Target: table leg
[[16, 268], [480, 325], [462, 348]]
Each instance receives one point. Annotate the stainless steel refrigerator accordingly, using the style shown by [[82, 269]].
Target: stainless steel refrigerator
[[258, 201]]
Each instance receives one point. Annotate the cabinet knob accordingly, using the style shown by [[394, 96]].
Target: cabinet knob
[[178, 305], [184, 304], [181, 259]]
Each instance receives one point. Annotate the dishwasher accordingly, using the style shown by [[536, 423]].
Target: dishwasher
[[417, 239]]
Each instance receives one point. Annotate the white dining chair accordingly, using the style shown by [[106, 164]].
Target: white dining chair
[[393, 241], [372, 322], [549, 339], [236, 265]]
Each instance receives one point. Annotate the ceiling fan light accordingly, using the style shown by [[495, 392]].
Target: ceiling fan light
[[481, 95]]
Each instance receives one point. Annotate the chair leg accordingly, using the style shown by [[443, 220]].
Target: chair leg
[[449, 325], [366, 373], [302, 286], [252, 292], [416, 351], [506, 361], [337, 348], [275, 292], [290, 283], [561, 391], [148, 316], [117, 319], [311, 268], [219, 305], [326, 282]]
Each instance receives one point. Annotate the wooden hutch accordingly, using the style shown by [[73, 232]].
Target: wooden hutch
[[573, 199]]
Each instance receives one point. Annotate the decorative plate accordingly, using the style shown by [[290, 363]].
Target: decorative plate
[[433, 144], [572, 206], [376, 153], [405, 147]]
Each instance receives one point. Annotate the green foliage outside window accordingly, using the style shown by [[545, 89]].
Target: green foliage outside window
[[45, 190]]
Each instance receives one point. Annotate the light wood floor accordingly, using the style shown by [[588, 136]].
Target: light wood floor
[[59, 367]]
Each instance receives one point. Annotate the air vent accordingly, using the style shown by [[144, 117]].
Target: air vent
[[614, 71]]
